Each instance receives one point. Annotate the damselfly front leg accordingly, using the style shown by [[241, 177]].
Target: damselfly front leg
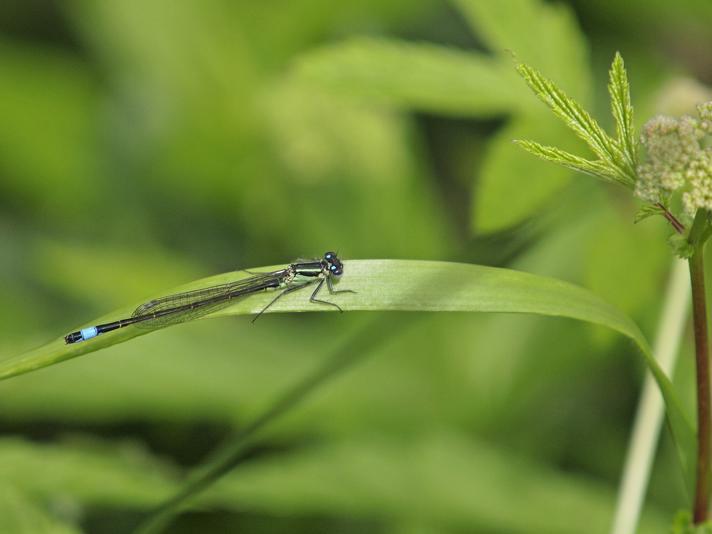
[[316, 292]]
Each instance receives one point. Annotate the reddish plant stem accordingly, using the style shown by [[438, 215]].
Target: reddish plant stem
[[677, 225], [704, 418]]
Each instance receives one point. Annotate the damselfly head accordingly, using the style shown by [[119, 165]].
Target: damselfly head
[[334, 264]]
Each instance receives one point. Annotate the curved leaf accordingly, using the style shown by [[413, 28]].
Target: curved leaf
[[421, 76], [404, 285]]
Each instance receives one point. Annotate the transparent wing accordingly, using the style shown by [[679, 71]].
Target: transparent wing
[[182, 307]]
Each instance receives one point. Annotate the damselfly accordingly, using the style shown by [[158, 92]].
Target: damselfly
[[181, 307]]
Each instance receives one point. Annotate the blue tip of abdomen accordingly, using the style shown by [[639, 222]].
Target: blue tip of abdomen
[[88, 333]]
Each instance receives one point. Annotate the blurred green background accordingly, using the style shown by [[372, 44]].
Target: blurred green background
[[148, 143]]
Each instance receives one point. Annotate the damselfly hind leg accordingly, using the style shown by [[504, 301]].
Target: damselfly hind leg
[[333, 291], [275, 299]]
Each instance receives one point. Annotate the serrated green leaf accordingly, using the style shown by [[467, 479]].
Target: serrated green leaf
[[576, 163], [681, 246], [411, 286], [622, 109], [419, 76], [648, 210], [577, 119]]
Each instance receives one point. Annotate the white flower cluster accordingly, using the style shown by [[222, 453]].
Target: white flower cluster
[[678, 159]]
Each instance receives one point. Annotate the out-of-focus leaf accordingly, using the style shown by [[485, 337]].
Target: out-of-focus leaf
[[20, 515], [443, 479], [448, 81], [543, 34], [413, 76], [683, 524], [513, 185], [324, 139], [183, 108], [648, 18], [85, 473], [546, 36], [48, 130], [82, 270], [618, 245]]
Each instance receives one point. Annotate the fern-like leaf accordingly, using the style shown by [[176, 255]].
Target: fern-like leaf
[[570, 111], [613, 162], [622, 109], [648, 210], [571, 161]]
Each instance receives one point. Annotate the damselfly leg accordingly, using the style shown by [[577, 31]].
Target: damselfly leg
[[333, 291], [280, 295]]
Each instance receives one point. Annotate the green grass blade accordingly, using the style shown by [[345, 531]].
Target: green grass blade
[[390, 285]]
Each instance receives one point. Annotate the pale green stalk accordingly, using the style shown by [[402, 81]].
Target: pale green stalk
[[649, 417]]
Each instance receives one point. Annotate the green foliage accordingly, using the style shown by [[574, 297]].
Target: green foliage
[[448, 81], [378, 479], [380, 285], [416, 286], [648, 210], [459, 479], [68, 161], [613, 246], [683, 525], [616, 157], [622, 110], [146, 141], [20, 515], [576, 163], [86, 471], [681, 246], [412, 75]]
